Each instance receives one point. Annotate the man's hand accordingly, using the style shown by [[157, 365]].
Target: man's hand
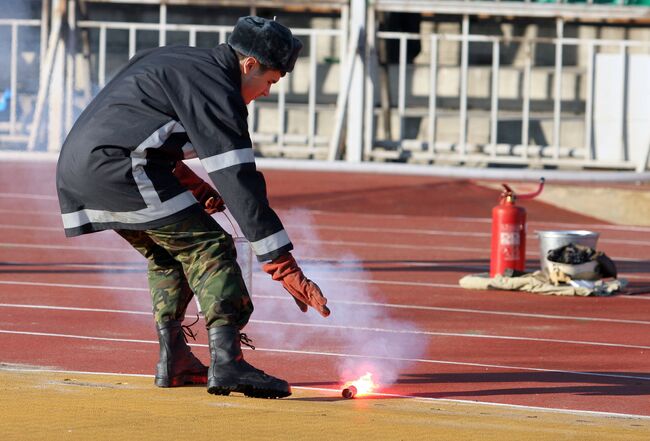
[[214, 205], [207, 196], [304, 291]]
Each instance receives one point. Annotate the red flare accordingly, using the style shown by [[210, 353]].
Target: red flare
[[361, 386], [349, 392]]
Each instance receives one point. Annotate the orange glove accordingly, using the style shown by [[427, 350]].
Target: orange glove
[[202, 191], [304, 291]]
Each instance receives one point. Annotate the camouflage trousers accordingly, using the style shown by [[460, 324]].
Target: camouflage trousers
[[193, 256]]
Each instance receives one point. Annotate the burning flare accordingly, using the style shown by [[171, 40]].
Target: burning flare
[[361, 386]]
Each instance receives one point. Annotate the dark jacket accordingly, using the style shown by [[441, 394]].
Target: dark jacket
[[167, 104]]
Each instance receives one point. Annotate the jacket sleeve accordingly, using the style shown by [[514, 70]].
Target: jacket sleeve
[[216, 125]]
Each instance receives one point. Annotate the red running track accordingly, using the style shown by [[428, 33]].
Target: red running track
[[388, 252]]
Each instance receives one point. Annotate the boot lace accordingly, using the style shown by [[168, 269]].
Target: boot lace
[[188, 331], [243, 338]]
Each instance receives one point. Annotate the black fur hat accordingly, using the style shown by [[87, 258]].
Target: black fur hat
[[271, 43]]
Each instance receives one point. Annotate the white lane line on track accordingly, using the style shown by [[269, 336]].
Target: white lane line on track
[[142, 265], [385, 282], [386, 230], [91, 248], [343, 355], [483, 220], [358, 303], [347, 327], [73, 308], [316, 260], [28, 196], [30, 228], [443, 233], [487, 220], [88, 249], [476, 252], [320, 278], [73, 285], [139, 266], [337, 391], [450, 334], [35, 212]]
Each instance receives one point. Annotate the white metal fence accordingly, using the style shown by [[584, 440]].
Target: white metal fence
[[299, 94], [418, 93], [434, 114], [19, 63]]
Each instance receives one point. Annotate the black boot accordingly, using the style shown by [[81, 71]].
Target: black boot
[[229, 372], [177, 365]]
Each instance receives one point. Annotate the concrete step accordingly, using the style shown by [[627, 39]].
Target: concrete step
[[479, 86], [415, 126]]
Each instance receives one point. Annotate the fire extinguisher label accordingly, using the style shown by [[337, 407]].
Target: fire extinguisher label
[[509, 238], [510, 253]]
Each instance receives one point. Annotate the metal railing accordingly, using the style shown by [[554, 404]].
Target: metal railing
[[13, 127], [427, 145], [419, 95], [306, 143]]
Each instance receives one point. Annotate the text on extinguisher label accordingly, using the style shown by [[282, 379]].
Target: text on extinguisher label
[[509, 238]]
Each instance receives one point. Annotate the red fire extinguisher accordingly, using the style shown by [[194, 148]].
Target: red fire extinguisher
[[509, 232]]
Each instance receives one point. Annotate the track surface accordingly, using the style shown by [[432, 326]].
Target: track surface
[[388, 252]]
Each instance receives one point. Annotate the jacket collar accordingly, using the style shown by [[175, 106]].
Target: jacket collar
[[226, 57]]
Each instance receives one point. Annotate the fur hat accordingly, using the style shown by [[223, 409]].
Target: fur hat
[[271, 43]]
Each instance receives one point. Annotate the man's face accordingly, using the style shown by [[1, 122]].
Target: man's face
[[254, 83]]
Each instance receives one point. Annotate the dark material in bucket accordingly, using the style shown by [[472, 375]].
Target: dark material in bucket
[[572, 254]]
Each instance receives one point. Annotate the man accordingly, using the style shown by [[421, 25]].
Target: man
[[121, 168]]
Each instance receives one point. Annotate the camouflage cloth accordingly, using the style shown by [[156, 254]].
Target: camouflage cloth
[[197, 256]]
